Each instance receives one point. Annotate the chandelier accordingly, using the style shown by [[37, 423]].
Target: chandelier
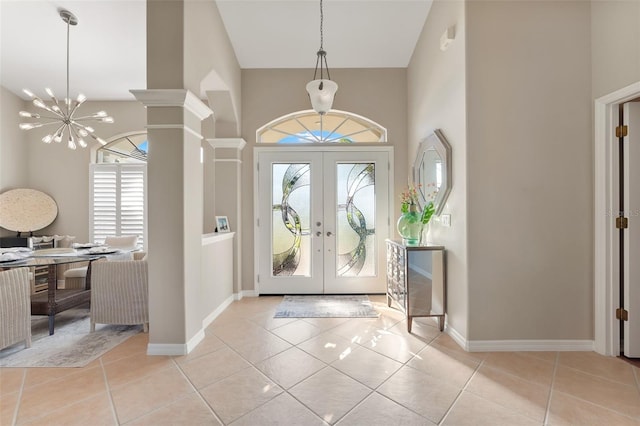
[[322, 91], [64, 114]]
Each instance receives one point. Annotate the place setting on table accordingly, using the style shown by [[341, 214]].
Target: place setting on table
[[14, 255]]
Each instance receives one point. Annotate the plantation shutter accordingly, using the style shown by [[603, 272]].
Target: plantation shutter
[[118, 201]]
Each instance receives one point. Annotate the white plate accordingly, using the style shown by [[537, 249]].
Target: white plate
[[86, 245], [102, 251]]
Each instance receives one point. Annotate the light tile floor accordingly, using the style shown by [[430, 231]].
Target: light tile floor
[[255, 370]]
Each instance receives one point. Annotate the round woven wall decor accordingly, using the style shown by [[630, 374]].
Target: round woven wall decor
[[26, 210]]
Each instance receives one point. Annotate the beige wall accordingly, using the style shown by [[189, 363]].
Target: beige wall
[[378, 94], [63, 173], [529, 170], [208, 51], [13, 147], [615, 38], [436, 96]]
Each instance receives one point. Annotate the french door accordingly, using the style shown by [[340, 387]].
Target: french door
[[322, 220]]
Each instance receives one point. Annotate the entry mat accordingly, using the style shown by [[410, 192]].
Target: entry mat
[[326, 306]]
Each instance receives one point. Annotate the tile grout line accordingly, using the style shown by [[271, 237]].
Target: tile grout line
[[108, 389], [197, 392], [466, 385], [14, 420], [311, 410], [636, 374], [553, 382]]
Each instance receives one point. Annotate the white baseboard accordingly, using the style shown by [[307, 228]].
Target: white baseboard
[[519, 345], [246, 293], [175, 349], [457, 337], [529, 345], [170, 349], [213, 315]]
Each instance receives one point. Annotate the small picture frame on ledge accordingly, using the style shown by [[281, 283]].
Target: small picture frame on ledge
[[222, 224]]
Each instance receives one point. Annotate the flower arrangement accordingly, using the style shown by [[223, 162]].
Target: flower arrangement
[[409, 197]]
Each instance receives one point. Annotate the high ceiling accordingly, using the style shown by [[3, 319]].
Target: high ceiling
[[107, 47]]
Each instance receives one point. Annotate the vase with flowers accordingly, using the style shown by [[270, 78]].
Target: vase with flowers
[[413, 219]]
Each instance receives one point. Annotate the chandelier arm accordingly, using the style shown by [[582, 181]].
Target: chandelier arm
[[88, 117], [55, 119], [79, 138], [54, 99], [88, 129], [57, 135], [98, 139], [40, 104], [48, 123], [75, 107]]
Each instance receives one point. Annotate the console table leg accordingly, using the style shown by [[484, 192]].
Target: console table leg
[[441, 322], [409, 323], [51, 317]]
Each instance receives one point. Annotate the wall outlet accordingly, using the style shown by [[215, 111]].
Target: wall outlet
[[445, 220]]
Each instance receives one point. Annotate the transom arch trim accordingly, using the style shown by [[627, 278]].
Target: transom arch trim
[[308, 126]]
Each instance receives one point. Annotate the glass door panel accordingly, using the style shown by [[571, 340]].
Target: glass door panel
[[355, 217], [356, 211], [290, 224]]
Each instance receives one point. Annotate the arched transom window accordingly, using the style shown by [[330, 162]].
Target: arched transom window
[[128, 148], [310, 127]]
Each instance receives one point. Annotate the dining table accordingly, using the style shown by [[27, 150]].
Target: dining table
[[56, 300]]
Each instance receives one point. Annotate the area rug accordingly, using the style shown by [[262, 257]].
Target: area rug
[[72, 345], [326, 307]]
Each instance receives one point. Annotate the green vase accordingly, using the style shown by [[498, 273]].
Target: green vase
[[410, 226]]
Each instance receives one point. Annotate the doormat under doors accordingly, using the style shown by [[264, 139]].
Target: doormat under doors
[[342, 306]]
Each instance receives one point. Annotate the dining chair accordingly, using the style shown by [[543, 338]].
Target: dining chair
[[120, 293], [75, 277], [15, 307]]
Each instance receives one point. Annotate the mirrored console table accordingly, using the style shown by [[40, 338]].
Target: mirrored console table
[[416, 280]]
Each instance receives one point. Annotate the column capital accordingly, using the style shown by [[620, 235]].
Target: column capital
[[233, 143], [173, 98]]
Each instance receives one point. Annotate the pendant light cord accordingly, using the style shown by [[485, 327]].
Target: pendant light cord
[[67, 100]]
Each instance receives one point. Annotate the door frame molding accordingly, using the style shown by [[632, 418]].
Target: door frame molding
[[313, 148], [606, 240]]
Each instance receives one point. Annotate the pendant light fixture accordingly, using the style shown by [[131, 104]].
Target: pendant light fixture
[[63, 114], [322, 91]]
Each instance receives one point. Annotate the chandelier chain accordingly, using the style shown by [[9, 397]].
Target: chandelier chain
[[321, 25]]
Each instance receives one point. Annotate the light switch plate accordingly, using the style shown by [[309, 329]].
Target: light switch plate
[[445, 220]]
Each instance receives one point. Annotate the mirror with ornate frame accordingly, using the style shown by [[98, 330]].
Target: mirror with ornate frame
[[432, 170]]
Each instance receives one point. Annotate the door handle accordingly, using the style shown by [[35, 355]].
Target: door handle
[[319, 234], [329, 234]]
